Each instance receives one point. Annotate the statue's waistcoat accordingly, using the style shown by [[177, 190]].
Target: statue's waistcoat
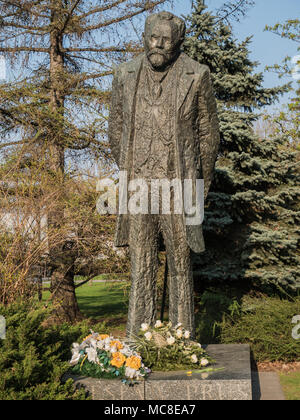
[[154, 131]]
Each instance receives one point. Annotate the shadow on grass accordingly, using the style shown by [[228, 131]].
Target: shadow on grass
[[103, 302]]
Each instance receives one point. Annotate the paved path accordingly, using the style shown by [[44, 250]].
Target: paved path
[[92, 281], [266, 387]]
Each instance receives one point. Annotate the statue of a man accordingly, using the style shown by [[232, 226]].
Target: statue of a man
[[163, 125]]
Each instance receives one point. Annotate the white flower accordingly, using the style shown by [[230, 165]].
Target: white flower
[[178, 325], [130, 373], [170, 341], [75, 355], [92, 355], [144, 327], [204, 362], [199, 345], [75, 347], [187, 334], [194, 358], [93, 343], [113, 349], [126, 351], [158, 324], [148, 336], [179, 333], [100, 345]]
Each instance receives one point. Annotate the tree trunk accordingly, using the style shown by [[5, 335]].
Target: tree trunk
[[62, 279], [63, 295]]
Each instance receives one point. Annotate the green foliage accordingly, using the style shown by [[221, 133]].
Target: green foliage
[[287, 121], [289, 29], [34, 357], [229, 316], [266, 324], [252, 211], [160, 354], [211, 307], [92, 370]]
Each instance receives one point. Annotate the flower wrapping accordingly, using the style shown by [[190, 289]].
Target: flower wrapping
[[103, 356]]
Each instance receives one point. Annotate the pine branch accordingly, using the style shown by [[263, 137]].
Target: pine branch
[[29, 9], [123, 18], [96, 75], [102, 9], [85, 281], [13, 117], [102, 50], [15, 25], [13, 143], [69, 15], [234, 10], [24, 49]]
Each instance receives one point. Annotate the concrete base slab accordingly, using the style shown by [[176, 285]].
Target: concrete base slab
[[233, 382]]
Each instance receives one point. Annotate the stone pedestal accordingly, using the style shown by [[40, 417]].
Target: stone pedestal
[[233, 382]]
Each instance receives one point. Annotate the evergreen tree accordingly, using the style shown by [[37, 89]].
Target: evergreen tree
[[253, 209]]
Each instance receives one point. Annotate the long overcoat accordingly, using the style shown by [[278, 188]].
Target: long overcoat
[[197, 135]]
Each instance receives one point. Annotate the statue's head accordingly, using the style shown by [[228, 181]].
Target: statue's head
[[164, 34]]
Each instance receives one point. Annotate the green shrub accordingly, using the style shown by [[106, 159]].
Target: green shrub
[[33, 357], [211, 307], [265, 324]]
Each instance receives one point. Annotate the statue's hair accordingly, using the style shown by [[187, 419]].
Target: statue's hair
[[178, 22]]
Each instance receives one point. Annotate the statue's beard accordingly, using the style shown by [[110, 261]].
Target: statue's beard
[[160, 59]]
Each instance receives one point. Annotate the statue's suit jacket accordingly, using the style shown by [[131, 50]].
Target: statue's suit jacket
[[197, 130]]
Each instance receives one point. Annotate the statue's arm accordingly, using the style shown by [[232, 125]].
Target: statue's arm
[[115, 121], [209, 134]]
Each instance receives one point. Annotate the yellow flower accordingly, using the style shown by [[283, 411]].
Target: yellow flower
[[117, 344], [89, 336], [133, 362], [118, 359], [102, 336]]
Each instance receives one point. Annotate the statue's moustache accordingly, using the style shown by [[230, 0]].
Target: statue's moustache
[[159, 52]]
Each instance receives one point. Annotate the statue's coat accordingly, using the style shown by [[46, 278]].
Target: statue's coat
[[197, 130]]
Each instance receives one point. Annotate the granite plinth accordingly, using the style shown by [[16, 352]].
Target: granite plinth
[[233, 382]]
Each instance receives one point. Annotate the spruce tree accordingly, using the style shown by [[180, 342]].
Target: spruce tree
[[253, 208]]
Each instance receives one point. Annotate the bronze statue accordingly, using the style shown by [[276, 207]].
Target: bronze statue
[[163, 125]]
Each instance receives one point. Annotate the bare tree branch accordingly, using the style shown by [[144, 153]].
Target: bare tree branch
[[124, 17]]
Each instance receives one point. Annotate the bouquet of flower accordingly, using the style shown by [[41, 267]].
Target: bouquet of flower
[[103, 356], [165, 348]]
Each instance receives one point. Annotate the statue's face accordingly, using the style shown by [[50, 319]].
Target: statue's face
[[161, 44]]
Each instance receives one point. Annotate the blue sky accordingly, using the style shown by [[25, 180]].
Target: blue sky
[[267, 48]]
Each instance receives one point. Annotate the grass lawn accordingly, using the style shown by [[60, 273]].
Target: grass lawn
[[103, 302], [290, 383]]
